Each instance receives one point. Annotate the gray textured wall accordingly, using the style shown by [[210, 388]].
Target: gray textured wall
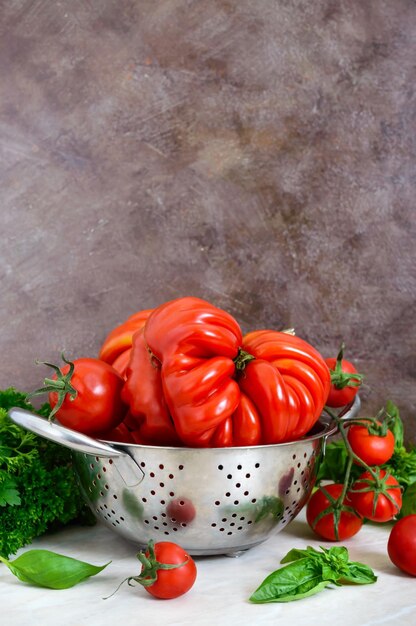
[[257, 154]]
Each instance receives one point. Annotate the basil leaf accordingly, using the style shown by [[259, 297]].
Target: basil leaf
[[359, 574], [49, 569], [334, 462], [295, 554], [295, 581], [409, 501], [336, 553], [395, 425]]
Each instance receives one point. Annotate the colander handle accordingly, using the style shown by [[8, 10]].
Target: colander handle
[[59, 434]]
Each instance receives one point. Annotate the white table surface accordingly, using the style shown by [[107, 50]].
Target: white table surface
[[221, 591]]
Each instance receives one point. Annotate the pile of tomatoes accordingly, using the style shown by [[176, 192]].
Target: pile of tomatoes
[[184, 374], [337, 511]]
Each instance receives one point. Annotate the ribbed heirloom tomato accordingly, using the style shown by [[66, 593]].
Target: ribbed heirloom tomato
[[216, 388]]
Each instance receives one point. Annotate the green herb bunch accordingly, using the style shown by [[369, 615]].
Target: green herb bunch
[[38, 488]]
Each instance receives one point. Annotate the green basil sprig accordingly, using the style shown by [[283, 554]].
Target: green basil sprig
[[308, 572], [50, 569]]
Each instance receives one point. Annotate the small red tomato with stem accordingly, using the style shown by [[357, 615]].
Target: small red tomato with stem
[[167, 570], [401, 545], [345, 380], [85, 395], [371, 441], [331, 518], [376, 495]]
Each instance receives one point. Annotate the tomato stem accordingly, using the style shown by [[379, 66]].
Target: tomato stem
[[242, 359], [61, 385], [341, 379], [150, 566]]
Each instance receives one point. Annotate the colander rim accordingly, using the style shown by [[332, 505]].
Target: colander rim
[[327, 428]]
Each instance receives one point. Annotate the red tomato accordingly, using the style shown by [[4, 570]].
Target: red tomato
[[382, 499], [171, 583], [94, 406], [372, 449], [343, 391], [401, 546], [349, 521]]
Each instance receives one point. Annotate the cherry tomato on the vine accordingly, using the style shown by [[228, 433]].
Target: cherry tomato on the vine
[[377, 499], [349, 522], [345, 380], [371, 448], [401, 546]]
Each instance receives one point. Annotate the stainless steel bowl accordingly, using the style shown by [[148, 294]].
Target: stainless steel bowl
[[209, 500]]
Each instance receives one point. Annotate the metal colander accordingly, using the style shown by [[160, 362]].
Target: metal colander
[[209, 500]]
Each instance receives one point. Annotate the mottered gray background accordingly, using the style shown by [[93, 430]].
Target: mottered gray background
[[260, 155]]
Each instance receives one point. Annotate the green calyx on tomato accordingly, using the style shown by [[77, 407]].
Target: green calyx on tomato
[[167, 570], [371, 440], [61, 385], [151, 566], [85, 395], [242, 359], [341, 377], [376, 495], [330, 514]]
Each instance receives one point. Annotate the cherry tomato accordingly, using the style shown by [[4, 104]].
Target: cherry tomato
[[382, 499], [340, 396], [372, 449], [90, 399], [401, 546], [170, 583], [349, 524], [345, 380]]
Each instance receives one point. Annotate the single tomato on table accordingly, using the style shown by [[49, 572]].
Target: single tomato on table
[[401, 546], [167, 570], [329, 518]]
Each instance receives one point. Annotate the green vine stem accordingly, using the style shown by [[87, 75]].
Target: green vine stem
[[337, 504]]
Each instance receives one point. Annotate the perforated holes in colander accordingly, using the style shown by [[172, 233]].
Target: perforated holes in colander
[[158, 497], [236, 500], [293, 497], [107, 506]]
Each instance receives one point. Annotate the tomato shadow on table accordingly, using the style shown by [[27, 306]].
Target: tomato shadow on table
[[299, 529]]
